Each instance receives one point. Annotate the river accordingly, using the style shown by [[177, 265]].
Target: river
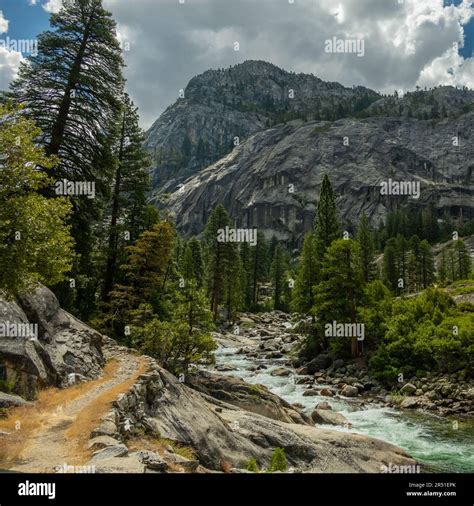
[[433, 440]]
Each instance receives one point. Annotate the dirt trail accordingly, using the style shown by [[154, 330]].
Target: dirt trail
[[51, 445]]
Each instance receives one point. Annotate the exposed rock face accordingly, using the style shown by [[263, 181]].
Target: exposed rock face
[[254, 398], [271, 180], [60, 351], [220, 432], [220, 105]]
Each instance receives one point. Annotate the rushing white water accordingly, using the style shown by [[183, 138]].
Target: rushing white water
[[431, 439]]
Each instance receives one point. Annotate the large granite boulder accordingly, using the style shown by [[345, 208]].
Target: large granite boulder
[[43, 345]]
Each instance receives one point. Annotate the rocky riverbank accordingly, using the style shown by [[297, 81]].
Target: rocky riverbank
[[271, 336]]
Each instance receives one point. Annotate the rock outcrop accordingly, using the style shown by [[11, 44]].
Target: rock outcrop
[[224, 434], [220, 106], [271, 181], [43, 345]]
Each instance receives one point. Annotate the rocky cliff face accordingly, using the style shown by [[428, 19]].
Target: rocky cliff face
[[42, 345], [271, 181], [221, 105], [259, 139]]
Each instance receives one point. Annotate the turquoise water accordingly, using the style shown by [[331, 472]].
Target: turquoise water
[[432, 440]]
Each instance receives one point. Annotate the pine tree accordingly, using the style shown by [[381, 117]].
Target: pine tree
[[443, 267], [340, 291], [427, 264], [414, 264], [401, 248], [130, 186], [247, 271], [390, 269], [307, 277], [72, 86], [367, 249], [72, 89], [35, 242], [326, 223], [146, 275], [260, 261], [222, 256], [197, 261], [278, 272], [462, 259]]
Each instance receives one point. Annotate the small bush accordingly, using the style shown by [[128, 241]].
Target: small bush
[[252, 466], [278, 461]]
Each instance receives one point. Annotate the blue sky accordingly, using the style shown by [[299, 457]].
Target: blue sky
[[26, 21], [408, 43]]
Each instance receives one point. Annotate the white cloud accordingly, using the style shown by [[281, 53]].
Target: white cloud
[[32, 2], [9, 63], [3, 24], [53, 5], [406, 43]]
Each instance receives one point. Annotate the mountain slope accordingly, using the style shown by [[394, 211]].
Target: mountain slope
[[254, 180], [220, 105]]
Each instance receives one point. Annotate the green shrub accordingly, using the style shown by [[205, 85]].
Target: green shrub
[[252, 466], [278, 462]]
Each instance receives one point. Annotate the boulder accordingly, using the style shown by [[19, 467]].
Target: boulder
[[106, 428], [408, 389], [11, 401], [254, 398], [349, 391], [310, 392], [100, 442], [410, 403], [152, 460], [121, 465], [322, 361], [119, 450], [323, 405], [326, 392], [189, 465], [281, 371], [57, 347], [325, 416]]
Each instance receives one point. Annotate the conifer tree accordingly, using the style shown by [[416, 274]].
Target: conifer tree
[[146, 275], [246, 261], [427, 264], [390, 269], [278, 272], [307, 277], [260, 261], [129, 195], [414, 264], [195, 253], [367, 249], [222, 256], [340, 291], [326, 223], [462, 259], [443, 267], [72, 86], [72, 89]]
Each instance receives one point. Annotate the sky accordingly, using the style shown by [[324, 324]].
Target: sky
[[406, 43]]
